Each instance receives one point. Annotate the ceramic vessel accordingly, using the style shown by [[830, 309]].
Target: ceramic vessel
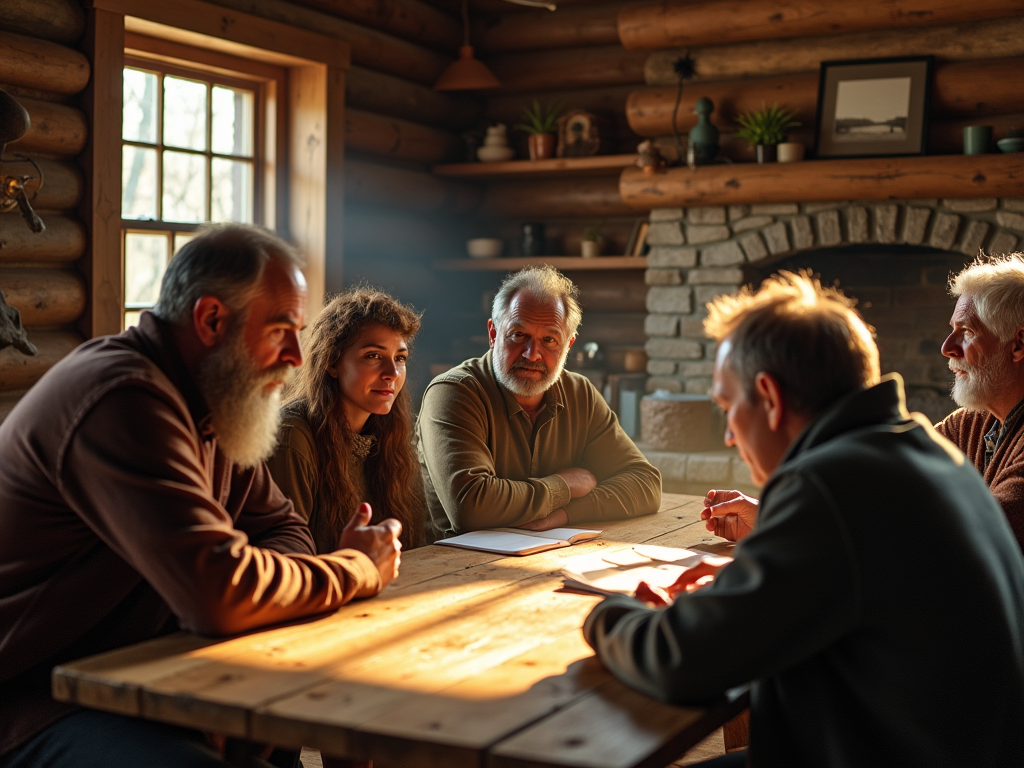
[[703, 137], [590, 248], [1011, 144], [977, 139], [533, 240], [766, 153], [485, 247], [542, 146], [495, 148], [790, 152]]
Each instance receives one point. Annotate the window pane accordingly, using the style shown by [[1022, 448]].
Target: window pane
[[232, 191], [138, 183], [184, 113], [184, 192], [131, 318], [180, 238], [232, 121], [138, 120], [145, 259]]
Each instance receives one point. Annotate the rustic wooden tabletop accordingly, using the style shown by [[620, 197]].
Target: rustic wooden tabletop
[[467, 659]]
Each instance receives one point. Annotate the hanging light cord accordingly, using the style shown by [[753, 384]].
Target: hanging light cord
[[465, 22]]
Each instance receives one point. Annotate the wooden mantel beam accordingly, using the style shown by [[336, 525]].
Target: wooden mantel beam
[[681, 23], [898, 178]]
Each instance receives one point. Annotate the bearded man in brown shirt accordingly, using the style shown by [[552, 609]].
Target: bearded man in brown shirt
[[134, 501], [511, 439]]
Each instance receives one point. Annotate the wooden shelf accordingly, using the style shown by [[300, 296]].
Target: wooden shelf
[[600, 165], [564, 263], [889, 178]]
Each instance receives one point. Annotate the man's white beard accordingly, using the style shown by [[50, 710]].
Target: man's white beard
[[977, 387], [245, 415], [523, 387]]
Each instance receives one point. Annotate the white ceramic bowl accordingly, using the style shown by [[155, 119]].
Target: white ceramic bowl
[[495, 154], [485, 247]]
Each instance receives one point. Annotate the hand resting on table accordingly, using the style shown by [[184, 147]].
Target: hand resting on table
[[378, 542]]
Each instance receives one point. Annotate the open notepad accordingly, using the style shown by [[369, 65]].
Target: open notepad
[[608, 573], [516, 541]]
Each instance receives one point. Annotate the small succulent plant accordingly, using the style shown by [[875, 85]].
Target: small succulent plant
[[540, 119], [767, 125]]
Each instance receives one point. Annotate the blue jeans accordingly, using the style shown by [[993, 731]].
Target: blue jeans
[[91, 739]]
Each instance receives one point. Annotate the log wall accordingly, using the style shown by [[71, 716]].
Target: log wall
[[40, 274]]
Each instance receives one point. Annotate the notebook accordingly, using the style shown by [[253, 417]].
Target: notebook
[[517, 541]]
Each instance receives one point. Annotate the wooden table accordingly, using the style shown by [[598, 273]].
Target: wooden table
[[467, 659]]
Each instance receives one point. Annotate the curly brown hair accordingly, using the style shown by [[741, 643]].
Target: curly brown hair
[[394, 484]]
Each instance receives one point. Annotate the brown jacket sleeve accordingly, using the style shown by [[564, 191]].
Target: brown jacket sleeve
[[627, 484], [140, 485], [452, 427]]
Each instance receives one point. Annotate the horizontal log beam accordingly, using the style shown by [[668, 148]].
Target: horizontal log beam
[[40, 64], [990, 39], [608, 101], [568, 68], [18, 371], [827, 180], [63, 183], [63, 240], [682, 23], [44, 296], [961, 89], [596, 197], [407, 19], [62, 21], [397, 235], [56, 129], [401, 139], [370, 48], [537, 30], [370, 184], [388, 95]]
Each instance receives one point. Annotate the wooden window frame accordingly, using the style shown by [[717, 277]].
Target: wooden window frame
[[309, 130]]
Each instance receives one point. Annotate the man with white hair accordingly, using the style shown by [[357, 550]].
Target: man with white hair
[[134, 501], [986, 355], [511, 439]]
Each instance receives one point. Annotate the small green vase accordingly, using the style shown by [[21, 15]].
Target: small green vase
[[703, 136]]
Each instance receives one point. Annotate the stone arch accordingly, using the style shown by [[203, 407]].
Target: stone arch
[[699, 253]]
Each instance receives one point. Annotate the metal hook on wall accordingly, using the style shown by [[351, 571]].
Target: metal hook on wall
[[14, 123]]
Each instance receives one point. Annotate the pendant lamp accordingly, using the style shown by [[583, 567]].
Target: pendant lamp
[[466, 73]]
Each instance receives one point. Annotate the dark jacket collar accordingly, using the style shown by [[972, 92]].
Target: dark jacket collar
[[154, 338], [881, 404]]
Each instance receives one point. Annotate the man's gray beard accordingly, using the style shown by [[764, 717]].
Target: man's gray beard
[[976, 388], [245, 415], [523, 387]]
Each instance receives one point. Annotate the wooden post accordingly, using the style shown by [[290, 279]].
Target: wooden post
[[104, 45], [681, 23]]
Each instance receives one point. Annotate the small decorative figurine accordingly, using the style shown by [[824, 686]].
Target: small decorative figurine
[[648, 157], [703, 145], [495, 148]]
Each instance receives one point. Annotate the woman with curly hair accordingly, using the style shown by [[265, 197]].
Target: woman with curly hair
[[346, 432]]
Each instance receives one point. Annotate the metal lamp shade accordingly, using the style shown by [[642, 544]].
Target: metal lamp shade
[[466, 74]]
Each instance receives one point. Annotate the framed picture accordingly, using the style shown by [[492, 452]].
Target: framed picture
[[873, 107]]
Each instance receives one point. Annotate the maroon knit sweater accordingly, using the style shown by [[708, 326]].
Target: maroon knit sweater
[[1004, 471]]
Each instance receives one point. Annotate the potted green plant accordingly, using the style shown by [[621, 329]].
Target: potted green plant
[[765, 128], [540, 123], [591, 243]]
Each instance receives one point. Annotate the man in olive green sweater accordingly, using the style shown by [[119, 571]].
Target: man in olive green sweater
[[511, 439]]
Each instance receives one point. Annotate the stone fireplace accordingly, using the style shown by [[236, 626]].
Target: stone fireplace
[[894, 257]]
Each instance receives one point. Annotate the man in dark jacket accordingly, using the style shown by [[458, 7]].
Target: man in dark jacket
[[134, 501], [863, 649]]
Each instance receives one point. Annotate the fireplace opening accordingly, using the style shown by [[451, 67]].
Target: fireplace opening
[[902, 292]]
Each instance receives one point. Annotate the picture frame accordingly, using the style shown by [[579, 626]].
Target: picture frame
[[873, 107]]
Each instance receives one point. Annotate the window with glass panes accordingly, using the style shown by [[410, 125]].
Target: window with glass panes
[[188, 156]]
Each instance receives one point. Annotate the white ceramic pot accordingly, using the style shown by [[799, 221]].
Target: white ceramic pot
[[590, 248], [495, 154], [485, 247], [790, 152]]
